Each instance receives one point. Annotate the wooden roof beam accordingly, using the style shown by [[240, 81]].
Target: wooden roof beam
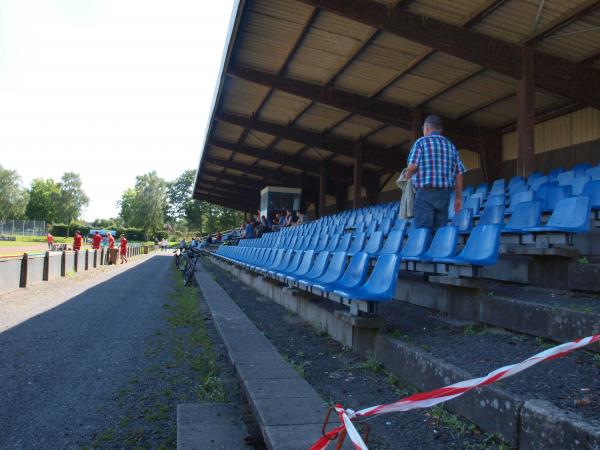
[[386, 112], [223, 201], [554, 74], [336, 171], [387, 158]]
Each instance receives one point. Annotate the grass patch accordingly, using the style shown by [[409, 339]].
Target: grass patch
[[371, 364], [543, 343], [180, 366]]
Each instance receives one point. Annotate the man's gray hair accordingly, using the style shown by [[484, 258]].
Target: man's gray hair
[[434, 122]]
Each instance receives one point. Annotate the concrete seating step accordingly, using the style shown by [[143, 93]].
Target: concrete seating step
[[215, 426], [287, 408]]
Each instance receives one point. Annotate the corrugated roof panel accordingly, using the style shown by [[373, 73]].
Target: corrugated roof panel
[[514, 21], [243, 159], [488, 118], [267, 164], [283, 108], [343, 160], [270, 33], [596, 64], [364, 78], [455, 12], [316, 154], [259, 140], [411, 90], [226, 131], [444, 68], [287, 146], [576, 41], [355, 127], [319, 117], [219, 153], [389, 136], [242, 97]]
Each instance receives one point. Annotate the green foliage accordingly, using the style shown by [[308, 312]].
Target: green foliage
[[583, 260], [14, 197], [72, 198], [44, 196], [143, 206], [371, 364]]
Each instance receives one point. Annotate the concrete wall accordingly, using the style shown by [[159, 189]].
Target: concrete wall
[[54, 266], [80, 261], [35, 270], [69, 262], [10, 274]]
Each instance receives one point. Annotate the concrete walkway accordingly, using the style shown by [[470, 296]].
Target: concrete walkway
[[60, 370]]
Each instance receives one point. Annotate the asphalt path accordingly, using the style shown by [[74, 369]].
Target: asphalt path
[[60, 371]]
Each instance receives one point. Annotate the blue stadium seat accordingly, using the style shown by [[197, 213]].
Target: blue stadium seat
[[463, 220], [571, 215], [333, 243], [393, 243], [371, 228], [482, 189], [555, 194], [564, 177], [553, 174], [592, 190], [385, 226], [519, 197], [535, 182], [311, 243], [380, 286], [400, 225], [467, 191], [316, 270], [354, 275], [495, 200], [525, 215], [357, 244], [579, 169], [374, 243], [334, 271], [473, 203], [443, 245], [302, 269], [492, 215], [282, 264], [344, 243], [515, 183], [593, 172], [481, 248], [323, 241], [289, 268], [577, 184], [417, 242]]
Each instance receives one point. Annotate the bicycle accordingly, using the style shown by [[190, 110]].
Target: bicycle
[[178, 257], [190, 267]]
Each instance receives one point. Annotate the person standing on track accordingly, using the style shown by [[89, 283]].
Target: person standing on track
[[123, 248], [436, 169], [77, 241], [50, 240], [96, 240], [111, 240]]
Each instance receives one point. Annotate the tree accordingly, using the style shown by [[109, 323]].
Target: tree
[[181, 206], [13, 197], [72, 199], [43, 200], [144, 205]]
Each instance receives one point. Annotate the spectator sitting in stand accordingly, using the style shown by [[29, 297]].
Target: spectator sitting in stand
[[218, 238], [248, 230], [301, 218], [182, 243]]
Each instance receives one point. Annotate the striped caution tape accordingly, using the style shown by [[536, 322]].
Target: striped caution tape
[[431, 398]]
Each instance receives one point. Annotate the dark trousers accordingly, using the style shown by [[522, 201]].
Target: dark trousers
[[430, 209]]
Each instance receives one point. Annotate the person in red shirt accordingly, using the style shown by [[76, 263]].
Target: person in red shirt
[[123, 249], [111, 241], [50, 240], [96, 241], [77, 241]]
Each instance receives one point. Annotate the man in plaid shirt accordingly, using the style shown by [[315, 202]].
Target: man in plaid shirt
[[436, 170]]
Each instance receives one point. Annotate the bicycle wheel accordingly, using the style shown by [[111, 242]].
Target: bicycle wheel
[[189, 273]]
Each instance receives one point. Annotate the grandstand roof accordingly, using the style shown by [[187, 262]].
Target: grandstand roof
[[305, 81]]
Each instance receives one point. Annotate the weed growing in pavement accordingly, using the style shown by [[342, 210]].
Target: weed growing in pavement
[[371, 364], [473, 329], [597, 360], [397, 333], [297, 366], [452, 421], [180, 366], [320, 330], [542, 343], [399, 389], [583, 260]]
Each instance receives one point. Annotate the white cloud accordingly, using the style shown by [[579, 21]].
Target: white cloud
[[107, 88]]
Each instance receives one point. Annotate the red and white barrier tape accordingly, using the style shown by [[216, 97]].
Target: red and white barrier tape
[[431, 398]]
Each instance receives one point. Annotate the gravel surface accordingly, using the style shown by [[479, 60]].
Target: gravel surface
[[340, 376], [571, 382], [68, 348]]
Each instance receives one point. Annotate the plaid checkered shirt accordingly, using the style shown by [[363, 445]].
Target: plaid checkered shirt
[[437, 162]]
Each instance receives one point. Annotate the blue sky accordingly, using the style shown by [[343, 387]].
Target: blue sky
[[107, 88]]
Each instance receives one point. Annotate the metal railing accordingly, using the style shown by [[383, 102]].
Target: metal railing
[[11, 227]]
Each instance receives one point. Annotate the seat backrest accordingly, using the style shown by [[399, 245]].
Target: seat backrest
[[519, 197], [335, 268], [492, 214], [323, 241], [554, 195], [572, 212], [468, 191], [333, 242], [463, 220], [516, 182], [593, 172], [307, 261], [417, 242], [358, 243], [359, 227], [535, 182], [371, 228], [579, 169], [578, 183], [374, 243], [483, 245], [295, 262], [526, 215], [393, 243], [564, 177], [400, 225], [495, 200], [473, 203], [385, 226], [320, 263], [483, 188], [592, 190], [356, 272], [444, 242], [285, 261], [344, 243], [384, 277]]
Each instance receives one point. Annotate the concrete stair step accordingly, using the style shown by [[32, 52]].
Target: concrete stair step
[[204, 426]]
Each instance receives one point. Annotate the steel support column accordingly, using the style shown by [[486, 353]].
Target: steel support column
[[526, 115], [323, 189], [358, 176]]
